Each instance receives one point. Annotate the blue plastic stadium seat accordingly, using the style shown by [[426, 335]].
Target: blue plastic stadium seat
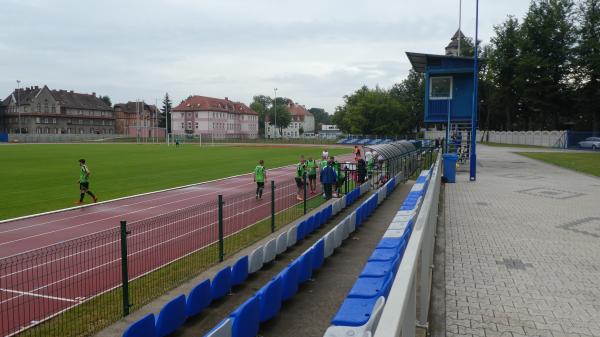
[[359, 212], [142, 328], [171, 316], [383, 254], [198, 299], [246, 318], [371, 287], [290, 280], [318, 254], [323, 217], [270, 299], [221, 283], [310, 225], [301, 234], [305, 266], [380, 268], [354, 311], [239, 271]]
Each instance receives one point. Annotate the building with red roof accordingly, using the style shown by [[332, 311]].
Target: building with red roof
[[198, 115], [302, 123]]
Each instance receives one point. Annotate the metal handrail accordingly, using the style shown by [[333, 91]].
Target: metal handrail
[[399, 314]]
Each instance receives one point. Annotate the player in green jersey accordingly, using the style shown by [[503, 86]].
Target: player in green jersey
[[312, 166], [84, 182], [260, 175]]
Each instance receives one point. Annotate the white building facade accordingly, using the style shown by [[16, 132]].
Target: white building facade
[[200, 115], [301, 125]]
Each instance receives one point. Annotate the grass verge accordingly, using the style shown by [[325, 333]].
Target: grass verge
[[582, 162]]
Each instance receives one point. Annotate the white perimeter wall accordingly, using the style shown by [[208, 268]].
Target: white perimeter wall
[[537, 138]]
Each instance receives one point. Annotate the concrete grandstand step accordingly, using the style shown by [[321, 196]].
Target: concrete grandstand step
[[310, 312], [217, 311]]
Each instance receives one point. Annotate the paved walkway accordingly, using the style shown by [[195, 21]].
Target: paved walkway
[[522, 250]]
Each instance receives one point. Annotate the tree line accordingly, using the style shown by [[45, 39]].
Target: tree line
[[538, 73]]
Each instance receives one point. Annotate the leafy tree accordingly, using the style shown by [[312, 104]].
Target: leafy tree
[[588, 61], [261, 104], [373, 112], [106, 100], [503, 60], [280, 110], [410, 92], [545, 63], [166, 113], [321, 116]]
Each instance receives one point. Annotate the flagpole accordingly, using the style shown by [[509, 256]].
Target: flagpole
[[473, 154]]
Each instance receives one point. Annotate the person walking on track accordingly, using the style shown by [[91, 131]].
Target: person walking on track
[[260, 175], [328, 178], [84, 182], [312, 167], [300, 172]]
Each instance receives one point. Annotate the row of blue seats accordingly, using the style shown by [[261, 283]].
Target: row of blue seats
[[175, 312], [359, 313], [267, 302], [364, 141]]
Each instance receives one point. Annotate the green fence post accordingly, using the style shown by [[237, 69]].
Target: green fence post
[[272, 206], [124, 268], [346, 180], [304, 182], [221, 241]]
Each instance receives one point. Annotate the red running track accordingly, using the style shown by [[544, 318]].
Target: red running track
[[37, 283]]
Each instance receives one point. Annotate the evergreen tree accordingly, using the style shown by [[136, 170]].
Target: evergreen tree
[[588, 62], [503, 60], [166, 113], [545, 64]]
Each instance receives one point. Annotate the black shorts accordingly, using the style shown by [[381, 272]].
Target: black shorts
[[260, 184], [298, 182], [84, 186], [312, 177]]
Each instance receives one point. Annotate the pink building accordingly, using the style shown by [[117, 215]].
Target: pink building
[[219, 117]]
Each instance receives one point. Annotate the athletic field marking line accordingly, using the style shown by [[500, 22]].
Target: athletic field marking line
[[132, 254], [139, 234], [121, 206], [107, 218], [26, 293], [114, 287], [134, 196]]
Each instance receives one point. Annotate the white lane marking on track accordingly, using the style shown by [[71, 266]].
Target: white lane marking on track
[[117, 260], [26, 293], [183, 192], [112, 217], [137, 234]]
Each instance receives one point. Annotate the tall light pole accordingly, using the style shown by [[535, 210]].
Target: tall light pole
[[473, 159], [275, 111], [459, 24], [19, 102]]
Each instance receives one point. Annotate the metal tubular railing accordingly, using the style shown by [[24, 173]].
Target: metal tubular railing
[[399, 317]]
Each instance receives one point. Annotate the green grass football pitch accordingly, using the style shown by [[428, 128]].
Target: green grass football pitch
[[38, 178], [583, 162]]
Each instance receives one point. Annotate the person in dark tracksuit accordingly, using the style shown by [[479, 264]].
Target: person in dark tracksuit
[[328, 178]]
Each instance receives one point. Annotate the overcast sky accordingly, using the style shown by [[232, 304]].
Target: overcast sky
[[313, 51]]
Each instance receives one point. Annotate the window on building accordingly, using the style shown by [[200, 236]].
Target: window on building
[[53, 109], [53, 120], [39, 107], [196, 125], [440, 88], [182, 115], [182, 125]]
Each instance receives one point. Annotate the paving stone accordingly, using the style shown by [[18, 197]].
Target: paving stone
[[522, 247]]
